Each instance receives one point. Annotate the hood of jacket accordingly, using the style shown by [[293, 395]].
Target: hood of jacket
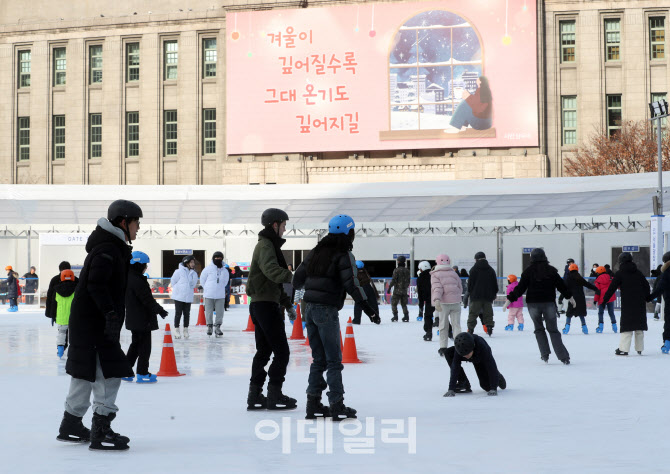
[[65, 288], [105, 232], [481, 264], [628, 267]]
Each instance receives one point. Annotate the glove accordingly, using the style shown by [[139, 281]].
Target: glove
[[505, 306], [442, 351], [163, 314], [492, 393], [450, 393], [367, 309], [292, 315], [572, 302], [438, 305], [112, 327]]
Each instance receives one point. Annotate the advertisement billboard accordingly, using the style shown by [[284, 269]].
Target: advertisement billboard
[[376, 76]]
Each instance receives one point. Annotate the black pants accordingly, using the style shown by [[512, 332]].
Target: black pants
[[179, 309], [372, 300], [427, 316], [140, 351], [30, 299], [666, 324], [270, 338], [480, 369]]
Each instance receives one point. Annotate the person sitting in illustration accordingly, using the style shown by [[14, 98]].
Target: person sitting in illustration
[[476, 110]]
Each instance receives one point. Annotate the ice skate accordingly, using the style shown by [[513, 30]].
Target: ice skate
[[436, 322], [545, 359], [620, 352], [210, 328], [489, 330], [316, 409], [72, 430], [566, 329], [278, 401], [339, 412], [502, 383], [103, 438], [419, 318], [463, 387], [600, 327], [566, 361], [394, 319], [217, 330], [148, 378], [186, 335], [405, 319], [614, 328], [256, 400], [585, 329], [428, 336], [509, 327], [519, 327], [177, 333], [665, 348], [127, 379], [61, 351]]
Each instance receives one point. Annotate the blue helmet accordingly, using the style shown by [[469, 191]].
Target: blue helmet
[[341, 224], [139, 257], [359, 264]]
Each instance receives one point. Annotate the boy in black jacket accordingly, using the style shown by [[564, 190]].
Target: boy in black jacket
[[141, 311], [423, 289], [472, 348]]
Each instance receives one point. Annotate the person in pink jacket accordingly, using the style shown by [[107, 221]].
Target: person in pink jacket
[[516, 308], [446, 291]]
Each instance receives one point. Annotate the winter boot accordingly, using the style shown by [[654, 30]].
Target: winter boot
[[566, 329], [614, 328], [502, 383], [600, 327], [509, 327], [61, 351], [405, 319], [463, 387], [256, 400], [72, 430], [186, 333], [394, 319], [419, 318], [341, 412], [520, 327], [217, 330], [278, 401], [148, 378], [436, 322], [620, 353], [585, 330], [315, 408], [209, 329], [665, 348], [103, 438], [177, 333], [428, 336]]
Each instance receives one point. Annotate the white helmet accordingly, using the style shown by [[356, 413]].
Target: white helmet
[[423, 266]]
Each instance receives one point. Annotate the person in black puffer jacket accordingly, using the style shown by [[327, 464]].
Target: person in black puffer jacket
[[141, 311], [51, 306], [576, 284], [328, 274], [542, 280], [662, 287], [482, 290], [424, 290], [373, 295]]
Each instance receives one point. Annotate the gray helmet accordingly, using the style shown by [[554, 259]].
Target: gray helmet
[[272, 215], [125, 209], [187, 259], [480, 255], [538, 255], [625, 257], [464, 343]]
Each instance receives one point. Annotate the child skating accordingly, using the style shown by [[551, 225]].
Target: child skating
[[602, 282], [576, 285], [64, 294], [516, 308]]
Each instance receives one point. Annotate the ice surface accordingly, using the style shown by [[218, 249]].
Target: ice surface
[[602, 413]]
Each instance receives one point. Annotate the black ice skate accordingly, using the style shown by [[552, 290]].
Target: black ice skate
[[316, 409], [209, 329], [428, 336], [545, 359], [256, 400], [405, 319], [463, 387], [394, 319], [489, 330], [339, 412], [103, 438], [620, 353], [72, 430], [217, 330], [436, 322], [502, 383], [278, 401]]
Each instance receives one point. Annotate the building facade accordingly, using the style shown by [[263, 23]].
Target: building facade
[[134, 93]]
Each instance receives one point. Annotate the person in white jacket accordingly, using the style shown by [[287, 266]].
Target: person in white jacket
[[183, 281], [213, 280]]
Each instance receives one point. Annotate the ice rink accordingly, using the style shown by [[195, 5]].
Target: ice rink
[[602, 413]]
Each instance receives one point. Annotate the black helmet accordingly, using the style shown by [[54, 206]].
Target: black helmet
[[666, 257], [464, 343], [625, 257], [187, 259], [480, 255], [125, 209], [401, 259], [64, 265], [217, 254], [569, 261], [272, 215], [538, 255]]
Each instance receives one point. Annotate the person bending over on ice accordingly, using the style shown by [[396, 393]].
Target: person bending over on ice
[[328, 273], [267, 272], [541, 281], [634, 296], [472, 348], [576, 285], [663, 288], [370, 291], [400, 284]]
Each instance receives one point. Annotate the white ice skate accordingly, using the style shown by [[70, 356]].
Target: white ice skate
[[177, 333], [185, 333]]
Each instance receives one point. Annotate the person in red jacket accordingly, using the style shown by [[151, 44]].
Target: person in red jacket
[[603, 283], [476, 110]]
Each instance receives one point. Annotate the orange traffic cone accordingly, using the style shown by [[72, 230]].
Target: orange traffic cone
[[250, 326], [297, 327], [202, 320], [168, 362], [306, 343], [349, 355]]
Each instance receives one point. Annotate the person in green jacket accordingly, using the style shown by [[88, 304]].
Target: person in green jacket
[[64, 293], [267, 273]]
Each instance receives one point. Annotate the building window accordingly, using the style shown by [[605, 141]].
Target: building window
[[170, 133], [133, 62], [95, 135], [59, 137], [613, 114], [95, 62], [60, 63], [24, 68], [568, 41], [209, 131], [657, 37], [171, 56], [24, 138], [209, 60], [569, 119], [613, 39], [132, 134]]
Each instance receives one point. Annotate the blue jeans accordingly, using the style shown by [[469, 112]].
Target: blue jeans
[[464, 117], [568, 318], [610, 310], [323, 330]]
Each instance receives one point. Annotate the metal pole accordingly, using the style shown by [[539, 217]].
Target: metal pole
[[411, 257], [581, 253], [499, 251], [660, 166]]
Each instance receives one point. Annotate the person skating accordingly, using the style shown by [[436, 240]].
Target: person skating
[[328, 273], [183, 282], [63, 294], [566, 272], [370, 291], [96, 361], [32, 283], [516, 308], [472, 348], [267, 273], [576, 284], [12, 289], [426, 309], [400, 283], [594, 271], [663, 288], [482, 291], [656, 274], [290, 292], [50, 310], [141, 311], [540, 281], [446, 291], [214, 279], [634, 296], [602, 282]]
